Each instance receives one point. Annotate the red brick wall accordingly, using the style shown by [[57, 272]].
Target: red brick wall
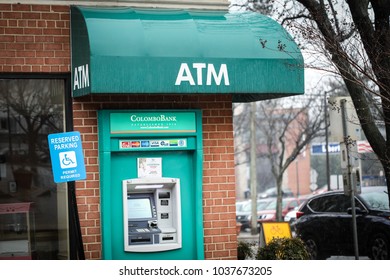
[[35, 39]]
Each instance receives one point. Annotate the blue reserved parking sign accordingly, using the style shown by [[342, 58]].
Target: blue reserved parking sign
[[67, 157]]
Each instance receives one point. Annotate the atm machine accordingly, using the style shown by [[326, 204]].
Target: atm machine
[[151, 165], [151, 214]]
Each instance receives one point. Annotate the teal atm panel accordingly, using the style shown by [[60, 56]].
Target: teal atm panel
[[124, 167], [153, 213]]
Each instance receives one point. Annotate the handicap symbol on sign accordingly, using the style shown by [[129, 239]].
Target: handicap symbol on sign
[[68, 159]]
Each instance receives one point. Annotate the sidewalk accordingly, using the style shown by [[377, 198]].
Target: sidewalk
[[248, 237], [252, 239]]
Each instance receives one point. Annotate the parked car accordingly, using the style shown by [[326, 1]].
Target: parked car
[[291, 216], [273, 192], [324, 223], [268, 214], [245, 214], [240, 204]]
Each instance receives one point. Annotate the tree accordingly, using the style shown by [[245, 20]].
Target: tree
[[354, 35], [284, 128], [287, 129], [31, 108], [242, 157]]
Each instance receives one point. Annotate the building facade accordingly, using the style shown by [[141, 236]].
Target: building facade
[[37, 98]]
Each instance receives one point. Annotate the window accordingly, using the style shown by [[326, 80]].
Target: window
[[30, 109], [377, 200], [331, 203]]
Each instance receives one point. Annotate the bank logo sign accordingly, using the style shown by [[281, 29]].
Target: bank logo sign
[[152, 122], [67, 157]]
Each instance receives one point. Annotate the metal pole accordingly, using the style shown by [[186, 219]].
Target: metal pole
[[349, 172], [327, 142], [297, 176], [253, 175]]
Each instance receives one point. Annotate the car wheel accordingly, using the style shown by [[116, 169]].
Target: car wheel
[[313, 248], [379, 247]]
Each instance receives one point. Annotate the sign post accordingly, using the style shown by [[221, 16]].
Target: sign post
[[67, 157], [67, 161], [346, 158]]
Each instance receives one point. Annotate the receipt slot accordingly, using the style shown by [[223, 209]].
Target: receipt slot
[[151, 214]]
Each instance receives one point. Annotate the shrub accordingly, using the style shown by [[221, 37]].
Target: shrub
[[283, 249], [244, 250]]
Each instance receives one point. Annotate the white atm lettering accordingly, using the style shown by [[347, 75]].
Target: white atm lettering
[[199, 67], [184, 74], [81, 77]]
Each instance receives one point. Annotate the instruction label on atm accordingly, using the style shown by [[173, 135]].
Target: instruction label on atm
[[150, 144], [149, 167]]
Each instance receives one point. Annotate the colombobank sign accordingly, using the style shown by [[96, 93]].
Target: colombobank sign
[[158, 118], [157, 122]]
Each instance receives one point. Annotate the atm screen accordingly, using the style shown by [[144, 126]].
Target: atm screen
[[139, 208]]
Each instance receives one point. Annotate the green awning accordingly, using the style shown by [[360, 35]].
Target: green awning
[[157, 51]]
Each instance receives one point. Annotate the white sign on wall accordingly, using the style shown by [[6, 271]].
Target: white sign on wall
[[149, 167]]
